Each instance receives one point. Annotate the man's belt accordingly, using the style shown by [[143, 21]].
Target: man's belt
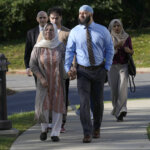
[[93, 67]]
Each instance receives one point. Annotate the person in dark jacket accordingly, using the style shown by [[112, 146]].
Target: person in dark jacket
[[31, 39]]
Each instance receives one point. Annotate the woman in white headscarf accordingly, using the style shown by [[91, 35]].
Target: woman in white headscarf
[[46, 63], [118, 74]]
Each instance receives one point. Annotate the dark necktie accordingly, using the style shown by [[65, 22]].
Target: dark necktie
[[89, 46]]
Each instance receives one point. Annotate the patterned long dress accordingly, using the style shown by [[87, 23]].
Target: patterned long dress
[[49, 63], [50, 60]]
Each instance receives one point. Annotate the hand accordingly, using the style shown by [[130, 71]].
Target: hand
[[28, 72], [44, 82], [72, 73], [128, 50], [106, 70]]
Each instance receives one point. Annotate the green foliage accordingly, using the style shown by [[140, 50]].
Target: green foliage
[[136, 13], [18, 16], [21, 122], [12, 17]]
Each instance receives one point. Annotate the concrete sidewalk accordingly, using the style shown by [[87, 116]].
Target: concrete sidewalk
[[128, 135]]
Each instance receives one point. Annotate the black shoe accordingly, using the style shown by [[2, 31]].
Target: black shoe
[[124, 113], [55, 138], [96, 133], [43, 136], [87, 139], [120, 118]]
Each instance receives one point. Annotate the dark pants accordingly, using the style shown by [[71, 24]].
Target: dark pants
[[90, 85], [66, 101]]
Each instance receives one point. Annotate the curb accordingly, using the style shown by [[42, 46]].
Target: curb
[[23, 71], [143, 70], [16, 71]]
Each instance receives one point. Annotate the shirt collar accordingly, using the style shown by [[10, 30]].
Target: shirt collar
[[90, 26], [41, 28]]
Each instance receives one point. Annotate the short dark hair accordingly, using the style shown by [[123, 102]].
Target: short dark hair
[[57, 10]]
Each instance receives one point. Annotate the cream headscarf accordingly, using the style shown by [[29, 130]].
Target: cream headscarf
[[49, 43], [122, 36]]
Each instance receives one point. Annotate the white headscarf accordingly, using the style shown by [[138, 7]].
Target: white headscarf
[[117, 37], [49, 43]]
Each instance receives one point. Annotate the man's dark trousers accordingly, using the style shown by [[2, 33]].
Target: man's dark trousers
[[90, 83], [66, 101]]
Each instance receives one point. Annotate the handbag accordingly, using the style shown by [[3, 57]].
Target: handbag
[[131, 72]]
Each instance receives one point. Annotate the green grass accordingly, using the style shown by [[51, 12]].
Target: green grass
[[141, 46], [10, 91], [148, 131], [20, 121], [14, 50]]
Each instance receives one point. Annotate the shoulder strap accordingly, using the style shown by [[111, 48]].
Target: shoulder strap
[[131, 82]]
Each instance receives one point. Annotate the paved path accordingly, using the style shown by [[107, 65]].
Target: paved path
[[127, 135]]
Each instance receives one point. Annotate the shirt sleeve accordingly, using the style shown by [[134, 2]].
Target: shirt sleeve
[[109, 50], [130, 42], [28, 49], [34, 61], [70, 51]]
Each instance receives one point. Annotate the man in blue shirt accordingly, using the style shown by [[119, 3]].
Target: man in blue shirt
[[90, 75]]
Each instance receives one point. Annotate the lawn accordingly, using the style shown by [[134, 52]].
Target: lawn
[[14, 50], [20, 121], [148, 131], [141, 46]]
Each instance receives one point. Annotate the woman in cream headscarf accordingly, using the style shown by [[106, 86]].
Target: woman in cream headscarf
[[47, 64], [118, 74]]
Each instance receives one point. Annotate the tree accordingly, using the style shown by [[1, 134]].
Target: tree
[[136, 13]]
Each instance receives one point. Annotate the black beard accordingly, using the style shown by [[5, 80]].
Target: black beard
[[85, 22]]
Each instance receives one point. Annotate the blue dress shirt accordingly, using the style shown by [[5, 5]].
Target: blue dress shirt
[[102, 46]]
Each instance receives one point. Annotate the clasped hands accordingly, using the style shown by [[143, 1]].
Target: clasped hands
[[72, 73], [126, 49]]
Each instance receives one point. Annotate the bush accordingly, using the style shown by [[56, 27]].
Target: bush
[[13, 22], [18, 16]]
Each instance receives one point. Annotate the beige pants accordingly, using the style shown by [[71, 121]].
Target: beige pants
[[118, 81], [56, 124]]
